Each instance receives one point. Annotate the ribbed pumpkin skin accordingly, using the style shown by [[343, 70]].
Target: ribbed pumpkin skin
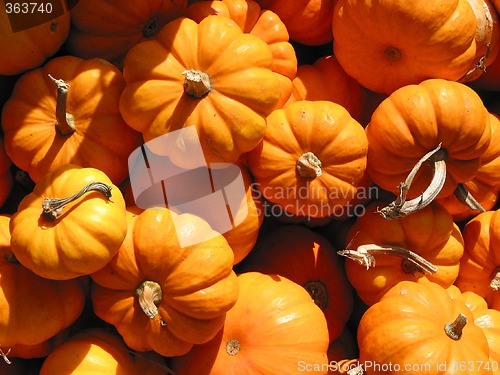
[[386, 45], [414, 120], [277, 325], [197, 282], [412, 316], [230, 118], [82, 239]]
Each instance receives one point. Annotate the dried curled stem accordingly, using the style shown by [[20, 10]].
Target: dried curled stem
[[53, 207], [401, 206], [364, 255], [65, 121], [464, 196]]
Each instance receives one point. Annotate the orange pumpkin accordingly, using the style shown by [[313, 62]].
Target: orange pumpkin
[[391, 44], [98, 351], [33, 310], [6, 178], [311, 159], [385, 252], [274, 328], [28, 39], [264, 24], [309, 22], [308, 259], [419, 328], [326, 80], [167, 291], [223, 85], [109, 30], [70, 225], [417, 120], [480, 264], [48, 122]]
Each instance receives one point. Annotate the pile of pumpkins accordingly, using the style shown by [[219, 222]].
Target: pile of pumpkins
[[366, 136]]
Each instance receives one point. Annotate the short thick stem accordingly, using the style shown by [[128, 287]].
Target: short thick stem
[[364, 255], [149, 295], [454, 329], [495, 280], [318, 292], [65, 121], [233, 347], [464, 196], [53, 207], [401, 206], [196, 83], [309, 166]]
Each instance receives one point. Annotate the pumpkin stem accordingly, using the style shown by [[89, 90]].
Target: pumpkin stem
[[149, 294], [196, 83], [151, 28], [393, 53], [4, 356], [233, 347], [53, 207], [318, 292], [402, 207], [65, 121], [464, 196], [495, 280], [309, 166], [454, 330], [364, 255]]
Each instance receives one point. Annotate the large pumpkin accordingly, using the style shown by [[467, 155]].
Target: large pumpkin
[[98, 351], [71, 225], [67, 112], [262, 23], [222, 84], [308, 259], [436, 116], [274, 328], [109, 30], [170, 285], [28, 39], [33, 309], [391, 44], [311, 159], [385, 252], [419, 328], [480, 264]]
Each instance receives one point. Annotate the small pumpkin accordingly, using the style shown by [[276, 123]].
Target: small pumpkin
[[109, 30], [388, 45], [311, 159], [262, 23], [384, 252], [6, 178], [436, 133], [309, 22], [308, 259], [223, 85], [167, 291], [99, 351], [29, 40], [417, 328], [70, 225], [274, 328], [325, 79], [480, 264], [34, 311], [66, 112]]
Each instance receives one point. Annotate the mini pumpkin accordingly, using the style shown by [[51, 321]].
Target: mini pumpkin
[[109, 30], [274, 328], [311, 159], [385, 252], [70, 225], [223, 85], [66, 112], [167, 291]]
